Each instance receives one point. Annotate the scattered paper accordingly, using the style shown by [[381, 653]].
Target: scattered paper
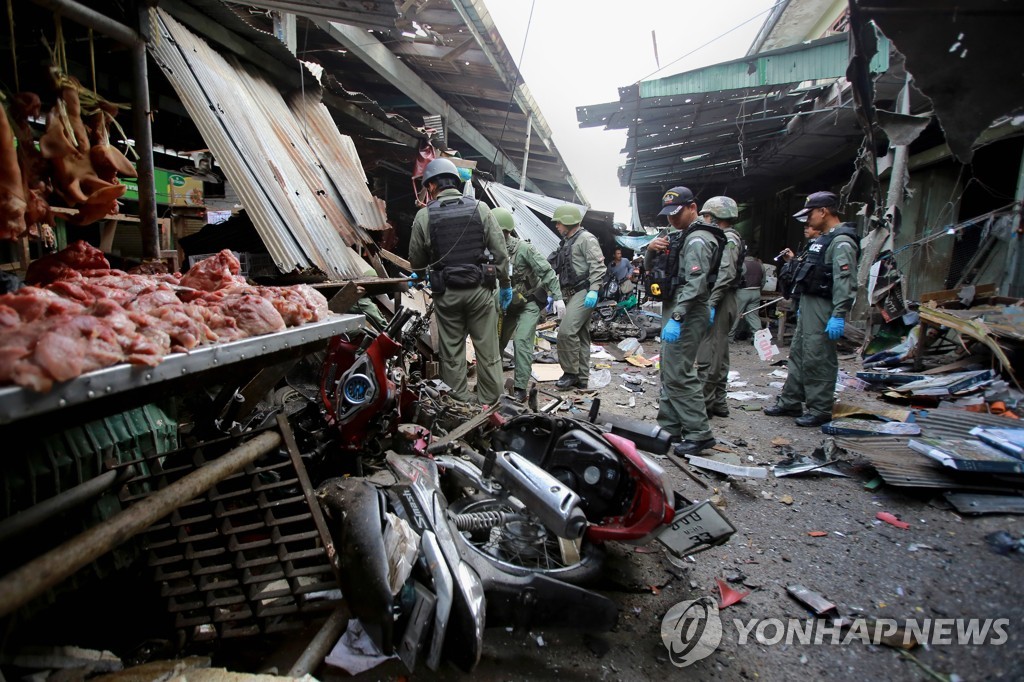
[[746, 395], [543, 371], [355, 652], [639, 361], [766, 350]]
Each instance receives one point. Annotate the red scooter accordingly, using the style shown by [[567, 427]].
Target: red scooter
[[363, 392], [626, 495]]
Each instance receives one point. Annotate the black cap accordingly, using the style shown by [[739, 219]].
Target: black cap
[[817, 200], [676, 198]]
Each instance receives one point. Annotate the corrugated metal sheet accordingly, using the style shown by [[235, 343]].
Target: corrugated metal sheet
[[277, 175], [825, 58], [898, 465], [528, 226], [340, 160]]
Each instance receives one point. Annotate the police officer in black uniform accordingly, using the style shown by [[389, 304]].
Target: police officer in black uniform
[[824, 277]]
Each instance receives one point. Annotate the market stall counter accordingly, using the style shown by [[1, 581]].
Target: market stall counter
[[103, 390]]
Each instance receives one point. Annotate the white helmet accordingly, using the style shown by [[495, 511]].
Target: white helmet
[[722, 208], [439, 167]]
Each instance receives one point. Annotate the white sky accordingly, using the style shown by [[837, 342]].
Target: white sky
[[579, 52]]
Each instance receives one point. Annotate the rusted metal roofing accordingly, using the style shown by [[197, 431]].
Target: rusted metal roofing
[[258, 142], [339, 159], [454, 50]]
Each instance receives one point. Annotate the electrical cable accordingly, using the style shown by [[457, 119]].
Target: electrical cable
[[515, 84]]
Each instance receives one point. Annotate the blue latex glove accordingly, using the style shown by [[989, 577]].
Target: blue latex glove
[[712, 320], [591, 300], [670, 334], [835, 327], [413, 277], [505, 297], [548, 308]]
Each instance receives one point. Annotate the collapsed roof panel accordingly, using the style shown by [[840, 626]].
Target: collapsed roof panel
[[964, 62], [258, 142], [435, 58]]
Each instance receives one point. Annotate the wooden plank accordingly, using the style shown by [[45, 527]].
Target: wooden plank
[[950, 295], [346, 297], [397, 260]]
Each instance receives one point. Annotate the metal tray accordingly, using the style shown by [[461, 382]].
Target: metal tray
[[18, 403]]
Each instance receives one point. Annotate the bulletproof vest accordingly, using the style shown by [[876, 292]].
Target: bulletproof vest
[[813, 275], [456, 241], [561, 263], [676, 242]]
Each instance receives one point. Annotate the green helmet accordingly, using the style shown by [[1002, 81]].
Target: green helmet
[[504, 218], [567, 214], [722, 208]]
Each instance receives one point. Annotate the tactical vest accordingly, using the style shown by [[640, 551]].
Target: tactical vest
[[561, 262], [813, 275], [664, 279], [456, 243]]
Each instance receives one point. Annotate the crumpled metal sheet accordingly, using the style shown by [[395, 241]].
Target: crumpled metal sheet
[[962, 56], [901, 129]]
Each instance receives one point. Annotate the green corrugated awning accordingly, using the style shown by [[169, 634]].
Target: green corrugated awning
[[820, 59]]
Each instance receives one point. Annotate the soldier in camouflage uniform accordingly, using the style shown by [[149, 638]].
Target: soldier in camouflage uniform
[[693, 250], [579, 264], [713, 356], [532, 279]]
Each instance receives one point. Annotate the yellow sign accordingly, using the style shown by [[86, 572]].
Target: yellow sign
[[184, 191]]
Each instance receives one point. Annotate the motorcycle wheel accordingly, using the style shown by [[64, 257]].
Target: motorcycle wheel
[[522, 547]]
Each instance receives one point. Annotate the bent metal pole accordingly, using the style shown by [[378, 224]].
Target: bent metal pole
[[23, 584]]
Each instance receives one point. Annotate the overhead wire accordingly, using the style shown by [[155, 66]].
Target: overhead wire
[[515, 84], [716, 38]]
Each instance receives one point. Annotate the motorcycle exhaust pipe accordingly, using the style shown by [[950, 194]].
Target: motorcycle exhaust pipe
[[647, 436], [557, 507]]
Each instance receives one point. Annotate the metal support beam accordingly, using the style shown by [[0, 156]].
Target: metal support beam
[[526, 151], [136, 40], [149, 231], [90, 18], [23, 584], [321, 644], [378, 57], [353, 112]]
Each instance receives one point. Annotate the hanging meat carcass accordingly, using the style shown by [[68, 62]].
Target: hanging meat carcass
[[66, 143], [27, 105], [12, 189], [107, 159]]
